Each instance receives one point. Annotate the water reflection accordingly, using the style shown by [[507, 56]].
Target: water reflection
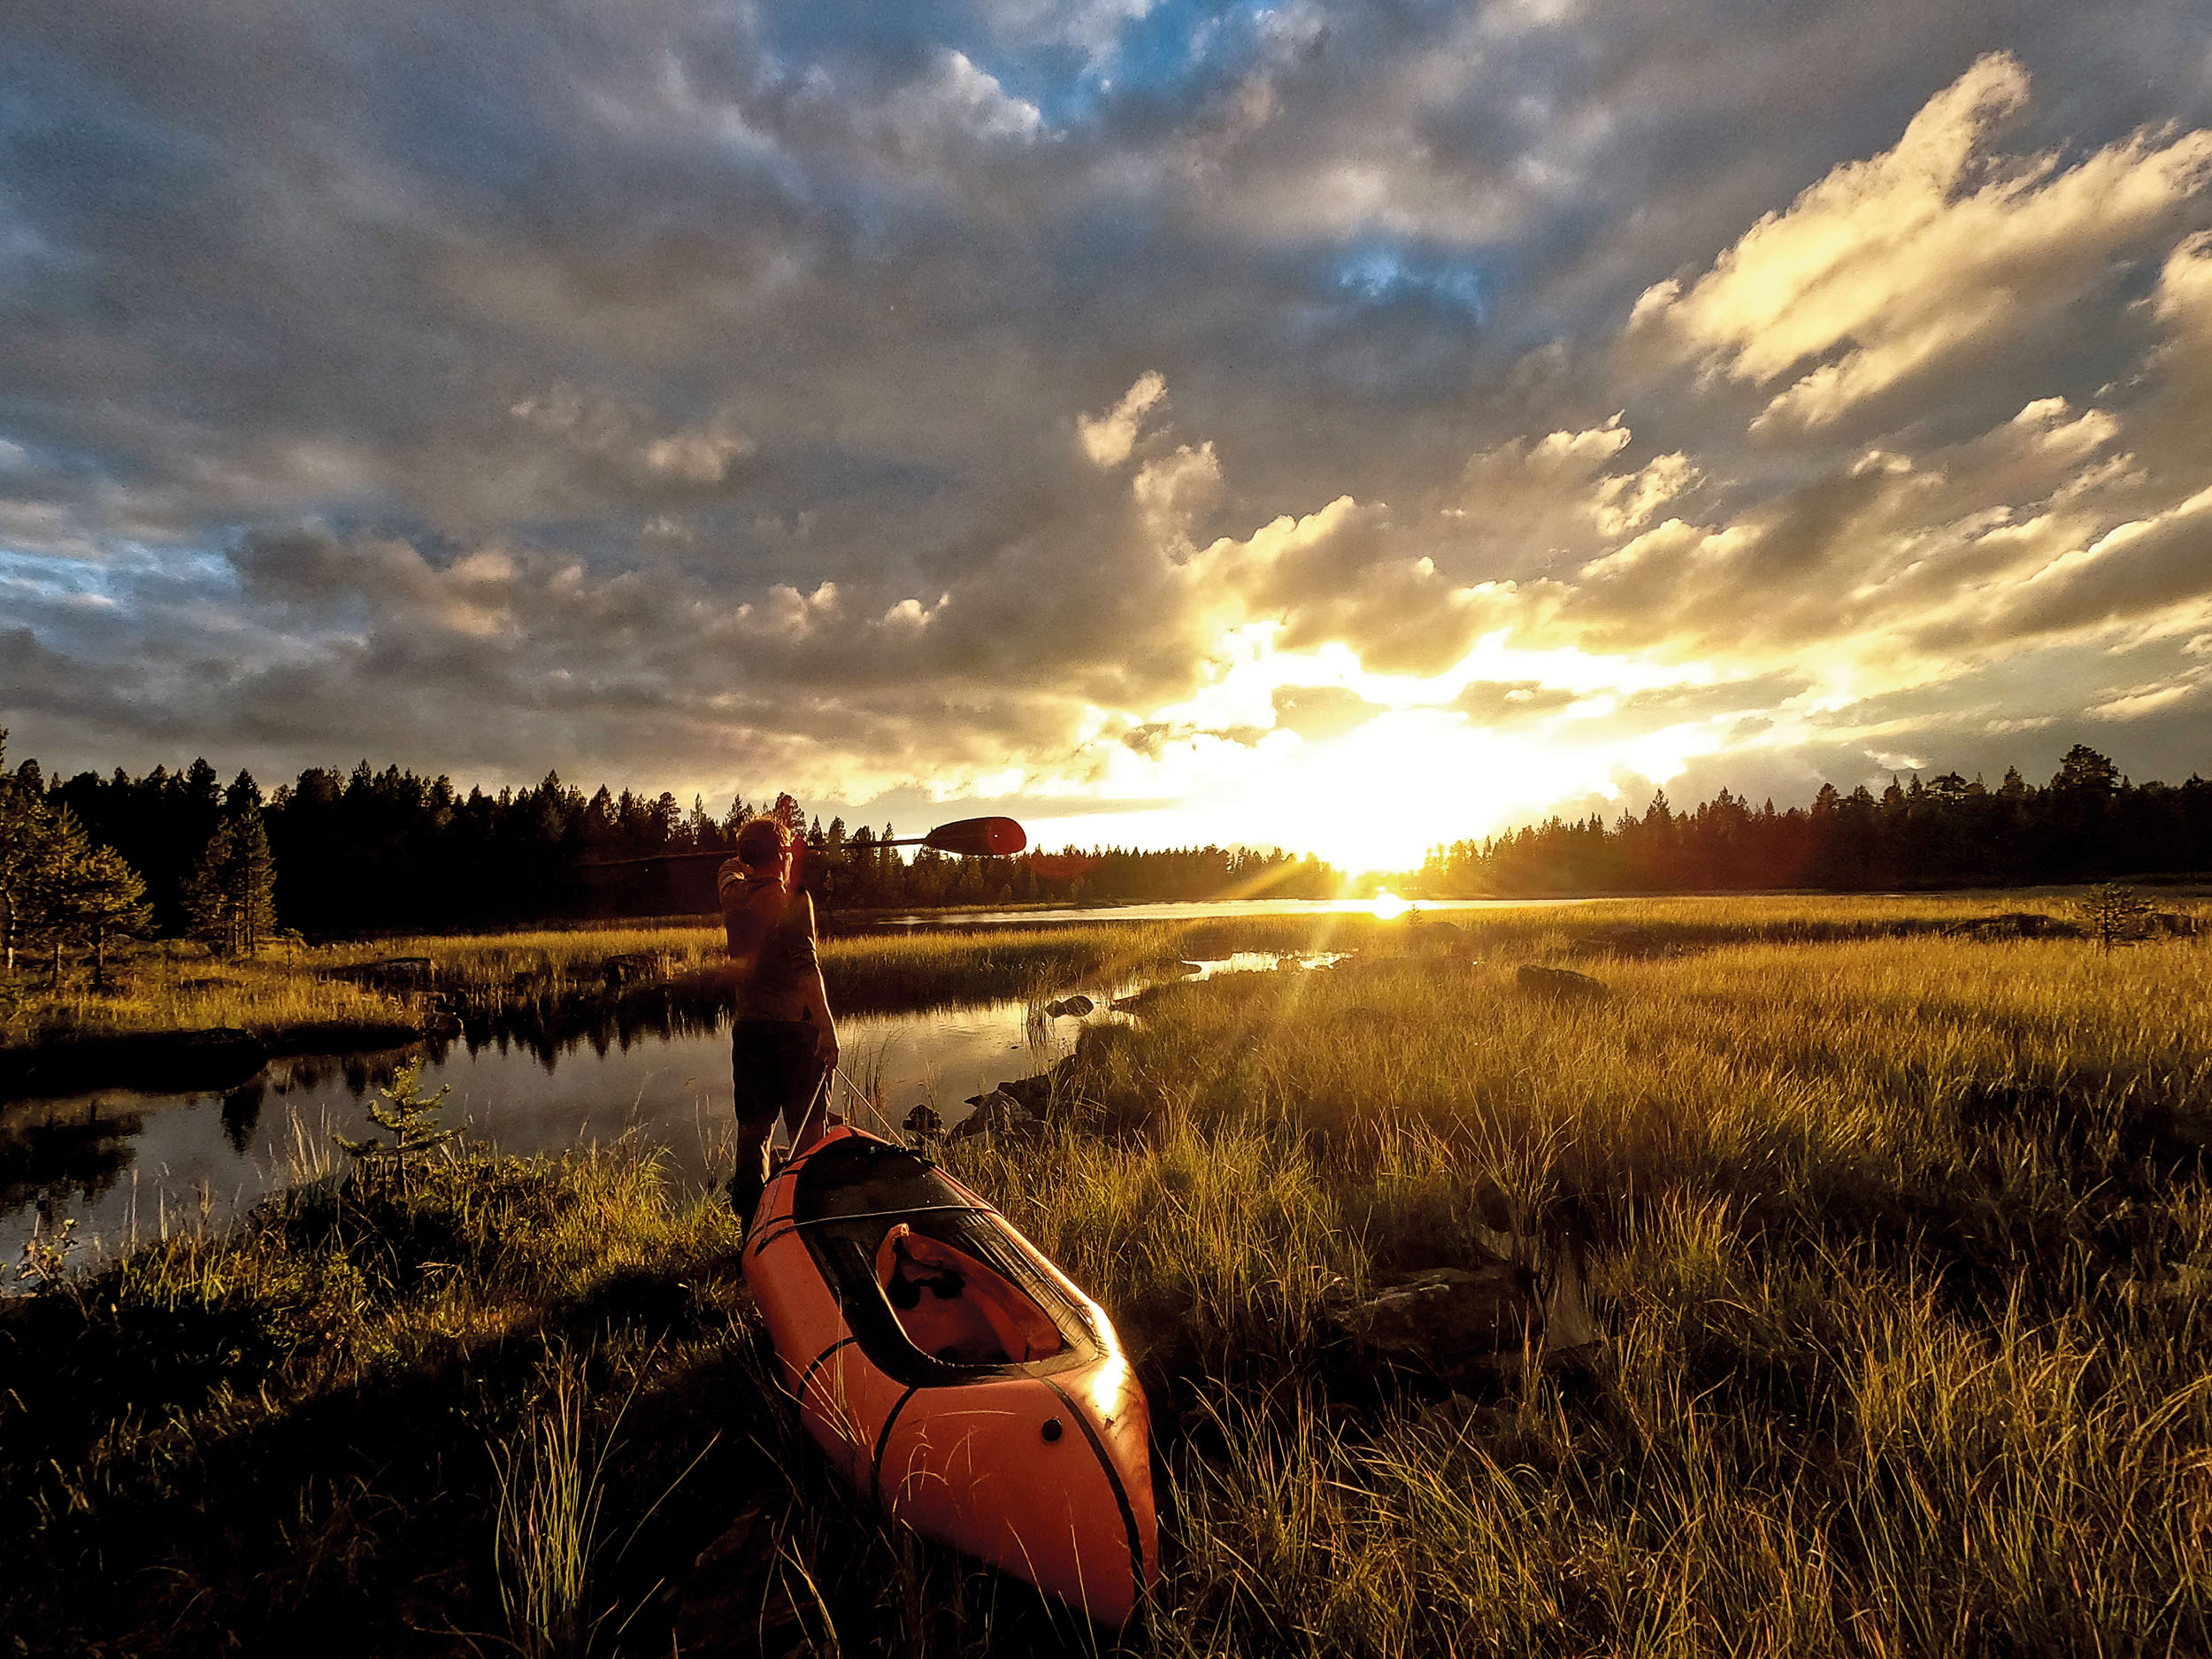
[[241, 1114], [64, 1151], [657, 1071]]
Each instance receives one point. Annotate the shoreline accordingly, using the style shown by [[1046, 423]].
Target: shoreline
[[192, 1023]]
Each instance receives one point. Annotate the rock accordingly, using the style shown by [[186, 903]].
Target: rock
[[741, 1596], [1445, 1322], [1457, 1325], [925, 1120], [389, 971], [1077, 1005], [1560, 984], [1443, 1315], [1033, 1092], [630, 969], [2173, 924], [1568, 1324], [1138, 1002], [2017, 924], [997, 1113], [1625, 939]]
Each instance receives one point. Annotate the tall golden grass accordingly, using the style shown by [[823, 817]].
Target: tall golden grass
[[1904, 1248], [1900, 1244]]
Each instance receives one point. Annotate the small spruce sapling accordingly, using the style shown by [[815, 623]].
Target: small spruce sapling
[[2113, 910], [403, 1112]]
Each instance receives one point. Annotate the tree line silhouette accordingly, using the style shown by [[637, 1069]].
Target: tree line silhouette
[[335, 853], [2088, 824]]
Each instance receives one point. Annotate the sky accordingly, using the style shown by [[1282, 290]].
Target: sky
[[1349, 428]]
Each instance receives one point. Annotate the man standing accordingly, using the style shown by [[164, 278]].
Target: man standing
[[783, 1045]]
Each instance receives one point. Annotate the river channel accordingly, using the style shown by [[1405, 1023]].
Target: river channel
[[129, 1166], [126, 1165]]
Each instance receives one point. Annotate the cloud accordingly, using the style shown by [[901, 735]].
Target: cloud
[[958, 98], [1529, 504], [1174, 489], [1108, 438], [1889, 270], [687, 393], [1322, 711], [701, 454]]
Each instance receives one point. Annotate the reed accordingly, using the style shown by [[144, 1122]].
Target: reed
[[1902, 1247]]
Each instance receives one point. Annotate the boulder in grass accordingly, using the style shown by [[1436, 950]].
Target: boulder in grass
[[925, 1120], [1077, 1005], [394, 971], [1458, 1325], [1446, 1322], [1034, 1093], [742, 1596], [2017, 924], [1560, 984], [997, 1113]]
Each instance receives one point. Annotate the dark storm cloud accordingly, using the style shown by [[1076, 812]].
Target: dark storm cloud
[[689, 390]]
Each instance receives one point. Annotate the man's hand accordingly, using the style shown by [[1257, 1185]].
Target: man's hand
[[825, 1045]]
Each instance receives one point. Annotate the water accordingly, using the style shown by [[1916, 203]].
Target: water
[[126, 1165], [1383, 904]]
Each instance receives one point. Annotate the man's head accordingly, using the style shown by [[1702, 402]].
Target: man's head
[[762, 844]]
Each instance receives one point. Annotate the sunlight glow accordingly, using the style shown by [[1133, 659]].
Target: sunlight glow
[[1109, 1385], [1422, 765], [1378, 797], [1387, 906]]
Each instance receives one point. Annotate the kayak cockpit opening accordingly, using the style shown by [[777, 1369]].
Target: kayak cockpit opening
[[952, 1307], [934, 1286]]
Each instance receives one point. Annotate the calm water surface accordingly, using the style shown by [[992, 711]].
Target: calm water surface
[[126, 1165], [1199, 910]]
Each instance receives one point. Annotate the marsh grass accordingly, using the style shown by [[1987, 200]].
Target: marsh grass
[[323, 998], [551, 1484], [1902, 1244], [314, 995]]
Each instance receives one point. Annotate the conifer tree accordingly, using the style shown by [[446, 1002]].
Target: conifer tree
[[231, 898], [85, 894], [405, 1113], [27, 828]]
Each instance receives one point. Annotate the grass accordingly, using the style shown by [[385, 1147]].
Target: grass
[[1902, 1244], [180, 988], [303, 992]]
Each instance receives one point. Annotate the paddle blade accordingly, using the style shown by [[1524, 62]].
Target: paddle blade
[[979, 837]]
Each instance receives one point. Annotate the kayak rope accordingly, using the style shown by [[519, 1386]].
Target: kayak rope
[[890, 1131]]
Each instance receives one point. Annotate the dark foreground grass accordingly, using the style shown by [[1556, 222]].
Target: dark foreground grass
[[1902, 1247]]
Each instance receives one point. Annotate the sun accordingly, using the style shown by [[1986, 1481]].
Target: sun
[[1379, 797]]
